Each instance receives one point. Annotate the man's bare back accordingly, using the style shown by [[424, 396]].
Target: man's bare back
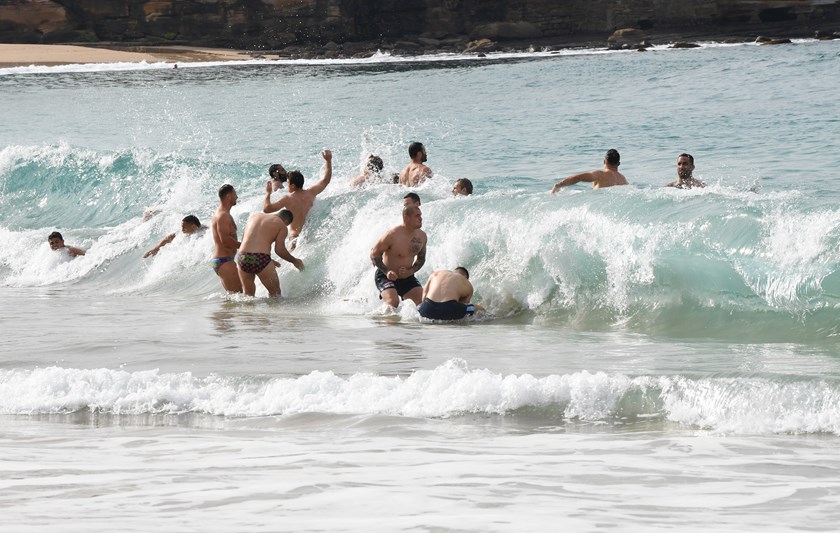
[[446, 285], [299, 200], [608, 177], [414, 174], [261, 231]]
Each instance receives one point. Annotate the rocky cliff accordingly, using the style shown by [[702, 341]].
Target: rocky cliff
[[275, 24]]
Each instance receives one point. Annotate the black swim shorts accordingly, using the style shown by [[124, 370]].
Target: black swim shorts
[[401, 285], [449, 310]]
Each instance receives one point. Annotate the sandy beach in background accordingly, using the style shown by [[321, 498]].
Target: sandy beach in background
[[16, 55]]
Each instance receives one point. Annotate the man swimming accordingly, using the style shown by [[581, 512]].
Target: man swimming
[[373, 170], [462, 187], [411, 198], [261, 231], [57, 243], [608, 177], [394, 259], [189, 226], [447, 295], [415, 172], [685, 169], [224, 238], [299, 200], [278, 176]]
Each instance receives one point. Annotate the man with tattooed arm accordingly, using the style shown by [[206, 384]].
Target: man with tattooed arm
[[398, 255]]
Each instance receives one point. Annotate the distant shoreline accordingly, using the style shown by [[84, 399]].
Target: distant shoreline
[[23, 55]]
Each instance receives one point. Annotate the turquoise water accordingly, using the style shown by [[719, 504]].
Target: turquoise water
[[689, 331]]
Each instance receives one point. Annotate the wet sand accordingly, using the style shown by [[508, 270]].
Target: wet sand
[[16, 55]]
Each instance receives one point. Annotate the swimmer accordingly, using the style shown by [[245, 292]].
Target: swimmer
[[462, 187], [600, 179], [255, 260], [299, 200], [447, 295], [278, 177], [225, 241], [411, 198], [373, 170], [57, 243], [685, 169], [415, 172], [394, 259], [189, 226]]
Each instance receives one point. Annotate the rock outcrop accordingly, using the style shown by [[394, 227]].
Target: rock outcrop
[[276, 24]]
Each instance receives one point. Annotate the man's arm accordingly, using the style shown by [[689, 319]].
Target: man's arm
[[280, 250], [319, 187], [72, 250], [166, 240], [227, 232], [379, 249], [571, 180], [420, 261], [269, 207]]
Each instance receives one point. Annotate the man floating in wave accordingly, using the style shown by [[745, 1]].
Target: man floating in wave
[[255, 252], [447, 295], [299, 200], [415, 172], [462, 187], [189, 225], [394, 259], [685, 169], [373, 170], [411, 198], [600, 179], [224, 237], [57, 243]]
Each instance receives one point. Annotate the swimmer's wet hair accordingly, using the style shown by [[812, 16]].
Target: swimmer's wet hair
[[613, 157], [191, 219], [224, 190], [464, 270], [689, 156], [414, 149], [55, 235], [296, 178], [465, 184], [286, 216], [278, 169], [375, 164], [414, 197]]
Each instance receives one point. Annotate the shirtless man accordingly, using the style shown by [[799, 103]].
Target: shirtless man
[[299, 200], [278, 176], [57, 243], [415, 172], [685, 168], [189, 225], [394, 259], [462, 187], [261, 231], [447, 295], [373, 170], [608, 177], [224, 237]]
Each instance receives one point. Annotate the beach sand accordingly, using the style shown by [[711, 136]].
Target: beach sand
[[15, 55]]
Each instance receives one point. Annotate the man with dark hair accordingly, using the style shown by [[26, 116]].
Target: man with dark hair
[[189, 226], [224, 238], [278, 176], [57, 243], [373, 169], [394, 258], [255, 260], [411, 198], [299, 200], [415, 172], [608, 177], [447, 295], [462, 187], [685, 169]]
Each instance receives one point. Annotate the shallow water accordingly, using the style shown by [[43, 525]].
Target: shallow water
[[653, 358]]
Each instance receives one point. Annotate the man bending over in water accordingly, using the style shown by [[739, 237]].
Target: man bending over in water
[[299, 200], [685, 168], [255, 252], [224, 238], [447, 295], [394, 259], [57, 243], [608, 177], [189, 225]]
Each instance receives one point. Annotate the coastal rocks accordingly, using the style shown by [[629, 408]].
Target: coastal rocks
[[683, 44], [826, 35], [626, 39], [767, 40], [35, 16], [480, 45]]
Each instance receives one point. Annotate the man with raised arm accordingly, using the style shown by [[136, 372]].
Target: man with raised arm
[[255, 260], [685, 169], [394, 258], [447, 295], [225, 241], [189, 226], [608, 177], [299, 200], [415, 172]]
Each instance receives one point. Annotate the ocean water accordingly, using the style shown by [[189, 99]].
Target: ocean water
[[651, 358]]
